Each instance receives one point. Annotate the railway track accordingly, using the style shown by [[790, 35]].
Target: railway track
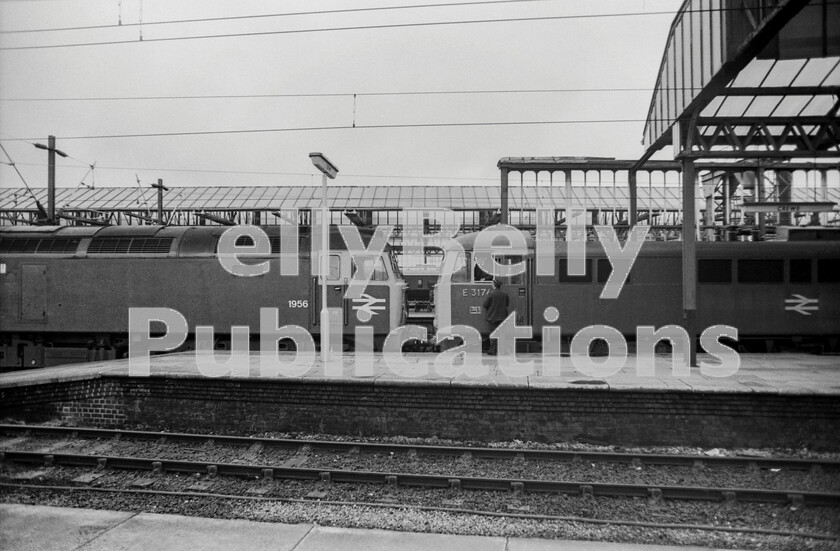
[[587, 489], [402, 479], [696, 461]]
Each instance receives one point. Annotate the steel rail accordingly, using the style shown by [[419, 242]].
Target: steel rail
[[476, 452], [591, 489], [452, 510]]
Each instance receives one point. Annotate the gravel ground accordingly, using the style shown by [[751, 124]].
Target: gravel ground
[[748, 515], [711, 476], [410, 519]]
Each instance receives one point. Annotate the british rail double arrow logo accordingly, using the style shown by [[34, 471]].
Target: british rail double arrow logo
[[371, 304], [803, 305]]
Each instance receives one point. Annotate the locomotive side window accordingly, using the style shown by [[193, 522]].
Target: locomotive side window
[[565, 278], [828, 270], [800, 270], [605, 269], [508, 261], [761, 271], [715, 270]]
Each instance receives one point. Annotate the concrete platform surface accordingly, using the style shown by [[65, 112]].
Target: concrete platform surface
[[40, 528], [797, 374]]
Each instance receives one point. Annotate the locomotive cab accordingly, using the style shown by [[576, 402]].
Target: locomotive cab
[[464, 284]]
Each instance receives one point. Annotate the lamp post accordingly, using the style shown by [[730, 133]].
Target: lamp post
[[51, 175], [328, 170]]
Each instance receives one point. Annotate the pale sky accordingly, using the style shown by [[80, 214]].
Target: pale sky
[[548, 54]]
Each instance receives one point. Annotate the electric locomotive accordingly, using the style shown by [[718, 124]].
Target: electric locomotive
[[65, 291], [774, 293]]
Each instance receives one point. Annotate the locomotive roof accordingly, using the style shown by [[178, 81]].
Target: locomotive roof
[[202, 238], [735, 249]]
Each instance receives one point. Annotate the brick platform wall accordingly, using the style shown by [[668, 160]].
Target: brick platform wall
[[92, 402], [464, 413]]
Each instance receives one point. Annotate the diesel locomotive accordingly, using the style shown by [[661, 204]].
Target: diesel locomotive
[[776, 293], [65, 292]]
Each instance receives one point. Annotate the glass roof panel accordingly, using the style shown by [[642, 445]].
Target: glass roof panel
[[218, 198], [753, 74], [247, 198], [762, 106], [357, 197], [378, 197], [791, 106], [471, 197], [339, 197], [444, 196], [198, 197], [236, 199], [816, 71], [311, 197], [833, 79], [298, 198], [276, 197], [820, 105], [713, 106], [290, 201], [784, 71], [734, 106]]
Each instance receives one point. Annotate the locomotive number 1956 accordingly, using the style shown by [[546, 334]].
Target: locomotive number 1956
[[299, 303]]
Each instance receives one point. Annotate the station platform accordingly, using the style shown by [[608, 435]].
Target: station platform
[[772, 400], [767, 373], [41, 528]]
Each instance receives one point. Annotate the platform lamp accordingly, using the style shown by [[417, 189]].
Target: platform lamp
[[328, 170]]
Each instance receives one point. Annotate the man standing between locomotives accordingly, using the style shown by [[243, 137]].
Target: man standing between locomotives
[[495, 311]]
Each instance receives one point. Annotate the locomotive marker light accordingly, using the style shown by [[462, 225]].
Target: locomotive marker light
[[328, 170]]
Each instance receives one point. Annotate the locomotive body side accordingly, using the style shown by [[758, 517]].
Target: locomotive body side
[[65, 293], [765, 290]]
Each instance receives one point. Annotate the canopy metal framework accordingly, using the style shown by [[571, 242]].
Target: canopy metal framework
[[744, 79], [749, 79]]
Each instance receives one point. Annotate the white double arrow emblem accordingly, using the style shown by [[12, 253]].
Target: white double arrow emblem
[[370, 304], [803, 305]]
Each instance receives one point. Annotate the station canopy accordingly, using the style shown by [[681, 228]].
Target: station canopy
[[657, 196], [749, 78]]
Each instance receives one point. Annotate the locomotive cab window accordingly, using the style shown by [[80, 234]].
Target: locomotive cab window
[[480, 275], [563, 273], [761, 271], [334, 273], [460, 272], [714, 270], [375, 267]]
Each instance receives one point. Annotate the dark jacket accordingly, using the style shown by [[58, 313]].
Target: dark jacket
[[496, 306]]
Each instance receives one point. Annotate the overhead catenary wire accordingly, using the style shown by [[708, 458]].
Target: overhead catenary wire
[[354, 28], [334, 94], [346, 127], [267, 15], [12, 164], [339, 29]]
